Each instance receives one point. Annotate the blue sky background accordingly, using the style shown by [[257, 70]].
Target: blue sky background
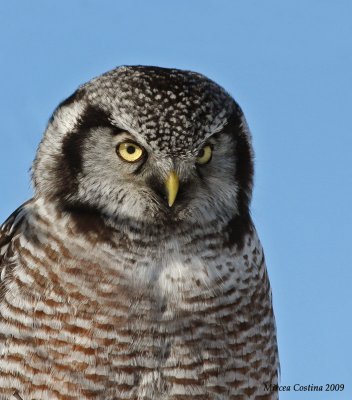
[[289, 65]]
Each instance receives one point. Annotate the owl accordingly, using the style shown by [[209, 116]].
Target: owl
[[136, 272]]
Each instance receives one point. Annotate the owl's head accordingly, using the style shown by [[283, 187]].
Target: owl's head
[[148, 144]]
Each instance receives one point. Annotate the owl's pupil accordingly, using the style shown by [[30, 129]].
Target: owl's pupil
[[130, 149], [201, 153]]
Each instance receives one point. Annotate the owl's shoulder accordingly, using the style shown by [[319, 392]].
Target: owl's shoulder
[[9, 231], [11, 226]]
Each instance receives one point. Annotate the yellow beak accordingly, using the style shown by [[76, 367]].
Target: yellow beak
[[172, 184]]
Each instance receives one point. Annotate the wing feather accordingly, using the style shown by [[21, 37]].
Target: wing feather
[[7, 232]]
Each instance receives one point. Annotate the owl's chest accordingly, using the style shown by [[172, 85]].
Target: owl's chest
[[184, 266], [170, 320], [139, 326], [168, 292], [155, 360], [165, 345]]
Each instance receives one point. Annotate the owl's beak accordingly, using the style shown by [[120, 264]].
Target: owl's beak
[[172, 184]]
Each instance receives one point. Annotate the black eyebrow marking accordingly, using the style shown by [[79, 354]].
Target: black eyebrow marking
[[117, 131], [93, 117]]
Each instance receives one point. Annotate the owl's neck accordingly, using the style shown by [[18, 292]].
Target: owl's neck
[[100, 228]]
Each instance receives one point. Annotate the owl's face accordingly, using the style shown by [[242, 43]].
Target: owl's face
[[148, 144]]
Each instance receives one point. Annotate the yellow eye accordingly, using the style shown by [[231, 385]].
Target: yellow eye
[[130, 151], [204, 156]]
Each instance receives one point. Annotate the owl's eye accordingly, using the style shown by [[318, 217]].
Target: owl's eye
[[130, 151], [204, 156]]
